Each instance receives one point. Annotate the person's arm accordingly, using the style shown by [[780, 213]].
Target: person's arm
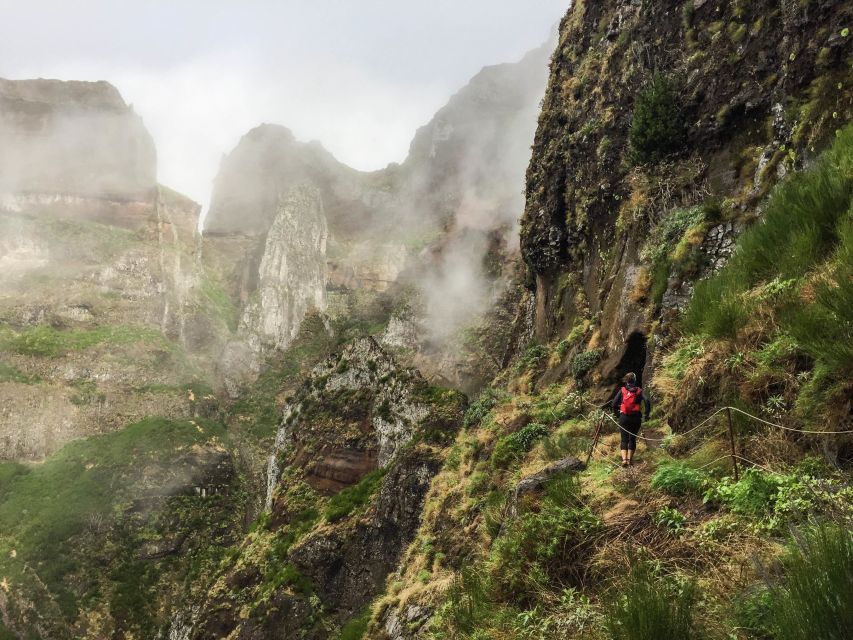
[[648, 402], [617, 401]]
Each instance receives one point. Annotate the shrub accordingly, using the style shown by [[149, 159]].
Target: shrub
[[584, 362], [512, 447], [653, 608], [532, 358], [754, 493], [348, 500], [357, 627], [544, 547], [752, 611], [814, 598], [657, 126], [678, 479], [480, 408]]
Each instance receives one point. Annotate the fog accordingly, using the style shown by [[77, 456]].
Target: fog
[[359, 77]]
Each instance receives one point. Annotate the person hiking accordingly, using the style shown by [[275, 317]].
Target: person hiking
[[628, 405]]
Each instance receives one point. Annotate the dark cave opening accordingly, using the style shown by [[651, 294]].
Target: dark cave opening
[[633, 358]]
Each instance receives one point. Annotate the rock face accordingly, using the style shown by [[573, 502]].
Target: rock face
[[104, 313], [593, 210], [292, 272], [73, 138], [442, 224], [352, 463]]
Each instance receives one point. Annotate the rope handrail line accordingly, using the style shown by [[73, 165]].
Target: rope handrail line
[[741, 411], [779, 426]]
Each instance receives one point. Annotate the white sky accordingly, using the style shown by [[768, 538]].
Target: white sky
[[358, 75]]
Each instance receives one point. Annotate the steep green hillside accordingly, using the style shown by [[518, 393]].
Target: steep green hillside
[[97, 538], [521, 540]]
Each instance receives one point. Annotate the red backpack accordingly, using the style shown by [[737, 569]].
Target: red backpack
[[631, 400]]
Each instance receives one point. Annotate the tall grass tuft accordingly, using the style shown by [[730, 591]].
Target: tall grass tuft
[[653, 608], [824, 329], [806, 219], [815, 599]]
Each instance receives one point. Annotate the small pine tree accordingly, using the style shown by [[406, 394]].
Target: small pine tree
[[657, 126]]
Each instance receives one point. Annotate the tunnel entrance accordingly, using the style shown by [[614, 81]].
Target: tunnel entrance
[[633, 358]]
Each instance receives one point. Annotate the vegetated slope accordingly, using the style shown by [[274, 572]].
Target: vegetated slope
[[676, 142], [111, 312], [115, 486], [517, 542]]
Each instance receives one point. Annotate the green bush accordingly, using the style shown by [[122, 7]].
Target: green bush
[[753, 494], [657, 125], [532, 358], [653, 608], [752, 612], [544, 547], [815, 596], [357, 627], [584, 362], [348, 500], [512, 447], [678, 479], [480, 408]]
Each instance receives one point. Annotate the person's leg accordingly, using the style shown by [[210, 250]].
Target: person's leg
[[624, 444], [634, 428]]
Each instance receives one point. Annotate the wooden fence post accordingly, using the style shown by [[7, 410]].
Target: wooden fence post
[[732, 442], [595, 437]]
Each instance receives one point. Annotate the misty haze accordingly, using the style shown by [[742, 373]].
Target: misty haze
[[424, 321]]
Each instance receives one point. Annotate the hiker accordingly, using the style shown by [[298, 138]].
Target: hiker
[[628, 405]]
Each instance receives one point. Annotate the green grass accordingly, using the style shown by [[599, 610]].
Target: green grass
[[652, 607], [9, 373], [44, 507], [678, 479], [221, 303], [348, 500], [805, 220], [48, 342], [813, 599]]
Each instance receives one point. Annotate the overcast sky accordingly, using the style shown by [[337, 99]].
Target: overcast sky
[[358, 75]]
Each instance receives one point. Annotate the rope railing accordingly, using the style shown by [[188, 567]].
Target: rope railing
[[733, 455]]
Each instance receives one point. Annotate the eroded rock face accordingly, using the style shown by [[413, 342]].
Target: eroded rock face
[[592, 206], [359, 418], [292, 271], [355, 413], [73, 138]]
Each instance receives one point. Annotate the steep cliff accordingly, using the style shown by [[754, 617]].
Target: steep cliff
[[754, 89], [435, 236], [353, 458], [113, 484], [72, 139]]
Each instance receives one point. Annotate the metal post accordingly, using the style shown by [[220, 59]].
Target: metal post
[[732, 442], [594, 439]]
